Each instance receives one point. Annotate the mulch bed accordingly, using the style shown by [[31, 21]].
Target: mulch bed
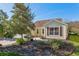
[[32, 49]]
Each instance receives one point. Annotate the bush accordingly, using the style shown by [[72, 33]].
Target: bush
[[0, 44], [61, 47], [42, 43], [55, 43], [59, 44], [66, 46], [20, 41], [8, 35], [9, 54]]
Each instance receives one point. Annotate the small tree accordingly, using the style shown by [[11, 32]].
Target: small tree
[[8, 29], [3, 17], [22, 19]]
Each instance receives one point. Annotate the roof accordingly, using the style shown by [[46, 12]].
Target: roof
[[42, 23]]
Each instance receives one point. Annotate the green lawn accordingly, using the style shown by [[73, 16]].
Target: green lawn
[[75, 40], [9, 54]]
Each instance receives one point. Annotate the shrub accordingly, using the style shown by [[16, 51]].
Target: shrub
[[9, 35], [55, 43], [20, 41], [76, 52], [61, 47], [9, 54], [42, 43], [0, 44], [66, 46]]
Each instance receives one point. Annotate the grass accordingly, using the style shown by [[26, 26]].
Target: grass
[[75, 40], [9, 54]]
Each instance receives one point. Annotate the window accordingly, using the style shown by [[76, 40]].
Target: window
[[56, 31], [42, 31], [48, 30], [52, 30], [61, 31], [37, 31]]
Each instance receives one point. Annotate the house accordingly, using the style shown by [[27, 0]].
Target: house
[[52, 28]]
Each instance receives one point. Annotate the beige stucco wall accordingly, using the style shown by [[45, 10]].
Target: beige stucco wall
[[34, 33], [40, 34]]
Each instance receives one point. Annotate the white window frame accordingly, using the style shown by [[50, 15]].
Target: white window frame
[[54, 31]]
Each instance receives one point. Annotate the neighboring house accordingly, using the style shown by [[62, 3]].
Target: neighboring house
[[53, 28]]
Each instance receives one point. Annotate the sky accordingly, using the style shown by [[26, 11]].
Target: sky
[[42, 11]]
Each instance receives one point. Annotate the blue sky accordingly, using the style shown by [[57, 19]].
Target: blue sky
[[67, 11]]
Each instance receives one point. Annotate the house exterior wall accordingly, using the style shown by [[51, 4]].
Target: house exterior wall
[[64, 34], [34, 32], [56, 24], [51, 24]]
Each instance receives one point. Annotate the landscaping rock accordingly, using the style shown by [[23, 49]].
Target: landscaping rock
[[32, 49]]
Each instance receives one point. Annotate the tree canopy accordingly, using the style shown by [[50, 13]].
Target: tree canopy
[[19, 23], [3, 18], [22, 19]]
